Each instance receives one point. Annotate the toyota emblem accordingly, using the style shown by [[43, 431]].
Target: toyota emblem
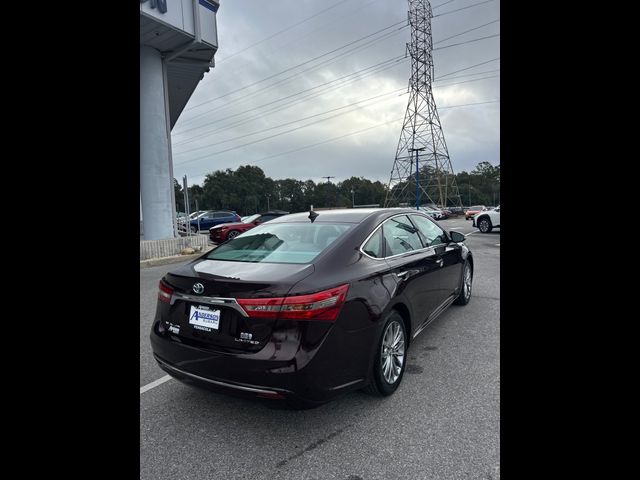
[[198, 288]]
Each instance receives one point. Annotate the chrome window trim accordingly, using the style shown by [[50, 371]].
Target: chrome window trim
[[227, 302], [412, 252]]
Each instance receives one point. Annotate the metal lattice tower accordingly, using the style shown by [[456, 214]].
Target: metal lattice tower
[[422, 136]]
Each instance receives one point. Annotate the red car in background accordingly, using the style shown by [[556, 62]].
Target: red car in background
[[474, 211], [226, 231]]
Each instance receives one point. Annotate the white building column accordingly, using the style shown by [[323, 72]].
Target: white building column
[[156, 183]]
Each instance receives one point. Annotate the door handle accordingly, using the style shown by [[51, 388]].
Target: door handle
[[402, 274]]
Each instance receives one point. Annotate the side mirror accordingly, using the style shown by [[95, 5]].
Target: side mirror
[[457, 236]]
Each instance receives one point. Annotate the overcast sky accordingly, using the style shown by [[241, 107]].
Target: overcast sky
[[237, 105]]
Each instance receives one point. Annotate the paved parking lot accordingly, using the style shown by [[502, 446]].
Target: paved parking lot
[[442, 423]]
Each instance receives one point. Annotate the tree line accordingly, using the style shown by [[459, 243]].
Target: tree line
[[247, 190]]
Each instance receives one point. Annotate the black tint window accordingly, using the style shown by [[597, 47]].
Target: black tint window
[[432, 233], [374, 246], [400, 235]]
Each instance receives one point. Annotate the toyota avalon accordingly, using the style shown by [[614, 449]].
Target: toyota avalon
[[311, 305]]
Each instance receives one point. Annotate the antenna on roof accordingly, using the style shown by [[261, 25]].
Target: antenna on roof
[[312, 214]]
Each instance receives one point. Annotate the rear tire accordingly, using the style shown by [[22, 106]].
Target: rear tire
[[390, 357], [465, 290]]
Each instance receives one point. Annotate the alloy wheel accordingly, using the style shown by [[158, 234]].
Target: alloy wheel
[[467, 282], [392, 352]]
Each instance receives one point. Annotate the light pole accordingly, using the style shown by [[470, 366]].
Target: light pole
[[417, 176], [353, 199], [268, 207]]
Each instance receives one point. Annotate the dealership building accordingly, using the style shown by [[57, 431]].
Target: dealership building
[[178, 41]]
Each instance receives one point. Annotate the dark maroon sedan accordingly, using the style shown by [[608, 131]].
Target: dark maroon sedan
[[227, 231], [309, 306]]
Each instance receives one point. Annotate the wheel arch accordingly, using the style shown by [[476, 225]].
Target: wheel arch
[[404, 312]]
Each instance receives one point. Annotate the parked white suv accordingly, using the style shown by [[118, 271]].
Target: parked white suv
[[488, 220]]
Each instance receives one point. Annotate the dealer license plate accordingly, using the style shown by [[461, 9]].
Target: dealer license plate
[[202, 318]]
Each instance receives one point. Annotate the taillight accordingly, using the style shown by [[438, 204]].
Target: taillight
[[165, 292], [323, 305]]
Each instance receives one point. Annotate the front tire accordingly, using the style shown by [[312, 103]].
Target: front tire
[[233, 234], [465, 290], [194, 229], [485, 225], [390, 360]]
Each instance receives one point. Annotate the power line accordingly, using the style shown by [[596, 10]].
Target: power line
[[373, 68], [468, 41], [307, 118], [287, 105], [470, 74], [249, 96], [283, 30], [294, 121], [467, 81], [303, 126], [299, 65], [323, 63], [263, 114], [442, 4], [463, 8], [468, 68], [467, 31], [357, 132], [266, 138]]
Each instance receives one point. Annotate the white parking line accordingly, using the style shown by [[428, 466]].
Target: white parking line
[[151, 385]]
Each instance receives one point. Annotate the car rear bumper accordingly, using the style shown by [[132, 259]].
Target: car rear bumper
[[297, 368]]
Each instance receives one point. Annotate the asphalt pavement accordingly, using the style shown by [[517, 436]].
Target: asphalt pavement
[[443, 422]]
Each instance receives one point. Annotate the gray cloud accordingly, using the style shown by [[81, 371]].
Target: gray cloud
[[472, 132]]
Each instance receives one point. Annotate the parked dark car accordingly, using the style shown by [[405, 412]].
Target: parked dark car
[[222, 233], [212, 218], [309, 306]]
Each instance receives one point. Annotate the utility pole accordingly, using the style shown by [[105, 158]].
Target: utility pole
[[187, 225], [421, 149], [353, 198], [328, 178], [421, 127]]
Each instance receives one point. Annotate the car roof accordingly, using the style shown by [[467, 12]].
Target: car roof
[[274, 212], [346, 215]]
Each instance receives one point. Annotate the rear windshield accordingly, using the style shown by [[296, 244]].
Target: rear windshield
[[281, 243]]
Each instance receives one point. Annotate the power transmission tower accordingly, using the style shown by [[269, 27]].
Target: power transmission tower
[[422, 139]]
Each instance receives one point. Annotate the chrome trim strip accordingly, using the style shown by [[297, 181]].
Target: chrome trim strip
[[344, 385], [227, 302], [216, 382], [436, 313], [398, 254]]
